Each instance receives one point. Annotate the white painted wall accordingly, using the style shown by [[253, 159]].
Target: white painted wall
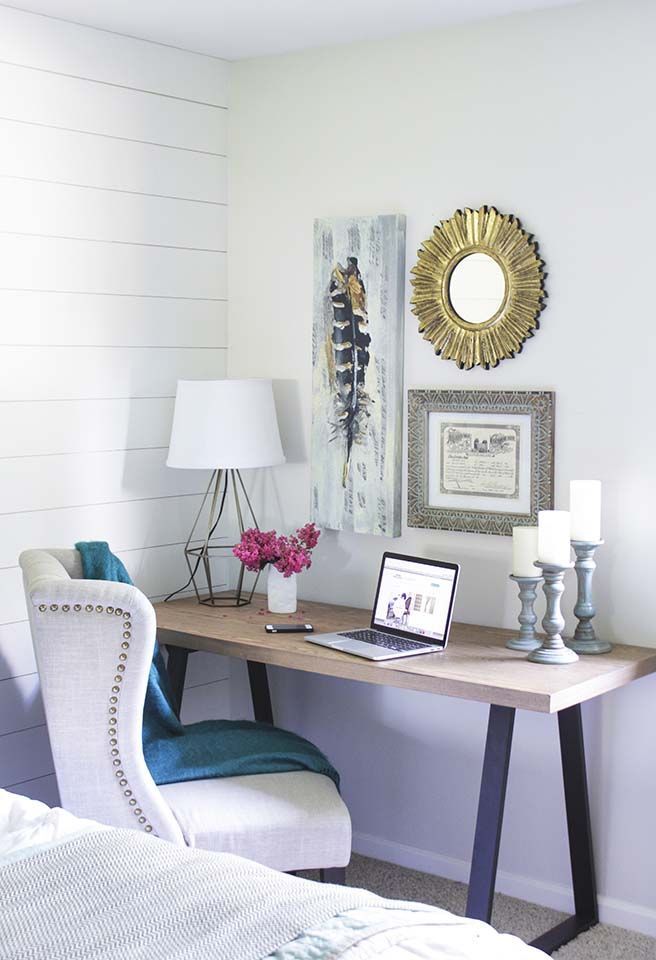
[[546, 116], [113, 209]]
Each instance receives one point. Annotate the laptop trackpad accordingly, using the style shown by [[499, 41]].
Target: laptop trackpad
[[360, 648]]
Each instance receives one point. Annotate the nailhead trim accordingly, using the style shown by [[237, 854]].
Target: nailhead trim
[[114, 698]]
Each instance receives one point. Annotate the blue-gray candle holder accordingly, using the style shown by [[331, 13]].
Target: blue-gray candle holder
[[527, 639], [585, 639], [553, 649]]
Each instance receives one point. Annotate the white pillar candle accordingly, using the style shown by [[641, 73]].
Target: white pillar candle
[[525, 552], [585, 510], [554, 537]]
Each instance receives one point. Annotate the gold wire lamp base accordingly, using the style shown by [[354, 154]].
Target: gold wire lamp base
[[219, 487]]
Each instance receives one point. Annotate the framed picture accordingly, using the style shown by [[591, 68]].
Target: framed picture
[[357, 356], [479, 461]]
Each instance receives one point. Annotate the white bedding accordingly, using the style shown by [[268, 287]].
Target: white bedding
[[384, 932], [28, 824]]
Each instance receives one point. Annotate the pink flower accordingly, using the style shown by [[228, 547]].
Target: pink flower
[[309, 535], [289, 554]]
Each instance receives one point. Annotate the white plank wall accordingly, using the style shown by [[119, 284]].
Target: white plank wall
[[113, 210]]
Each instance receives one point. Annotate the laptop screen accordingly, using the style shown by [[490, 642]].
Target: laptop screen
[[415, 597]]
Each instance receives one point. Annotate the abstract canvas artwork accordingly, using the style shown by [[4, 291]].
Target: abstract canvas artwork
[[357, 350]]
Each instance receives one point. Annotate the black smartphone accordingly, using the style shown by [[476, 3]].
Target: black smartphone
[[289, 628]]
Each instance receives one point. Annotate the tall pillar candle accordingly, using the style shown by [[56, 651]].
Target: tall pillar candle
[[585, 510], [525, 552], [554, 537]]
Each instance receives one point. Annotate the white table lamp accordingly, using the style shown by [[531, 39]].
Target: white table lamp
[[224, 426]]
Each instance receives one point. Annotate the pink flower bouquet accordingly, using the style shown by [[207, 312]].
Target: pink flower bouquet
[[288, 554]]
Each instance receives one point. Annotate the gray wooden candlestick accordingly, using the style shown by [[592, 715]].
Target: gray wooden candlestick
[[585, 639], [553, 649], [527, 639]]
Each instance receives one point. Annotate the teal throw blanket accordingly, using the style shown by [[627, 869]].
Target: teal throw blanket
[[212, 748]]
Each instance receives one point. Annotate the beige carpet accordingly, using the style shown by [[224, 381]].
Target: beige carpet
[[525, 920]]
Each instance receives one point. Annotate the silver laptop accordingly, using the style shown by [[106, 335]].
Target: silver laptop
[[411, 614]]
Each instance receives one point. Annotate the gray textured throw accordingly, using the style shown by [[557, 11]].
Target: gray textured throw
[[117, 894]]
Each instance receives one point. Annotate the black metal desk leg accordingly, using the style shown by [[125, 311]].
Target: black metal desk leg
[[572, 751], [257, 677], [490, 813], [577, 806], [176, 668]]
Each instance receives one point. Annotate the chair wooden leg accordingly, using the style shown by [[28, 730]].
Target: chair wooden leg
[[333, 875]]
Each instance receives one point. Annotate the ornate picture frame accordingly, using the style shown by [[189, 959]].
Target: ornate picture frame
[[479, 461]]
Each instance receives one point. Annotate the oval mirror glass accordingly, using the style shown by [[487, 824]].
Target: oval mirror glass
[[477, 288]]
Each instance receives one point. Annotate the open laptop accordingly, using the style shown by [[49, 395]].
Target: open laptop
[[411, 614]]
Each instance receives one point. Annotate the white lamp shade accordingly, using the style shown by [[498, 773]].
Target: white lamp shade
[[228, 424]]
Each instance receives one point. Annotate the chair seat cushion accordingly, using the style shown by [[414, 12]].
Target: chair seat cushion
[[288, 821]]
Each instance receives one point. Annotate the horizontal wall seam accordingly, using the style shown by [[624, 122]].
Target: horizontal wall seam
[[101, 503], [151, 546], [113, 346], [19, 676], [112, 83], [123, 243], [86, 399], [117, 33], [44, 776], [10, 733], [205, 683], [109, 293], [113, 136], [94, 186], [81, 453]]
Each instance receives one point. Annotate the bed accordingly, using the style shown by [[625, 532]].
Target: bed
[[71, 889]]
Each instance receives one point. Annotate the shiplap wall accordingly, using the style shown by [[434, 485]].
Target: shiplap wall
[[113, 203]]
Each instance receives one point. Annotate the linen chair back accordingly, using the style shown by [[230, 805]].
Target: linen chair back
[[93, 642]]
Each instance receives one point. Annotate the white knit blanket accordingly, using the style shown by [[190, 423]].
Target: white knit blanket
[[116, 894]]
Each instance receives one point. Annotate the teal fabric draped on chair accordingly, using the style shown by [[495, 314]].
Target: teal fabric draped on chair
[[212, 748]]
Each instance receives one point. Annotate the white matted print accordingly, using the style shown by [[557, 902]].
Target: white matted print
[[479, 461], [357, 355]]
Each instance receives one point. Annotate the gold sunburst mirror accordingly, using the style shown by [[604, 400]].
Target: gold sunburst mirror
[[478, 287]]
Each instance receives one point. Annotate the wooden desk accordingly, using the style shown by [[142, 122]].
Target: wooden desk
[[475, 666]]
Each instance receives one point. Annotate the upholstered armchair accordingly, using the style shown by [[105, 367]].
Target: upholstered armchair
[[93, 642]]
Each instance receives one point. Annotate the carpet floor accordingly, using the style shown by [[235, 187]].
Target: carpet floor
[[525, 920]]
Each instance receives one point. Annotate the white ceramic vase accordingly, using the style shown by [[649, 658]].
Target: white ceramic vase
[[281, 591]]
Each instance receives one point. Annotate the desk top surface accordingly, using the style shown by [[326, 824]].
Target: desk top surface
[[476, 664]]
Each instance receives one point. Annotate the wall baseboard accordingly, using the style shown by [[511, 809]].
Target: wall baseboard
[[621, 913]]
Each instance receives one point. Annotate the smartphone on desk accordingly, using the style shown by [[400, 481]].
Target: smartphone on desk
[[289, 628]]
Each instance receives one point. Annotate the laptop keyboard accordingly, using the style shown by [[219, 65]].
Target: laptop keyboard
[[383, 640]]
